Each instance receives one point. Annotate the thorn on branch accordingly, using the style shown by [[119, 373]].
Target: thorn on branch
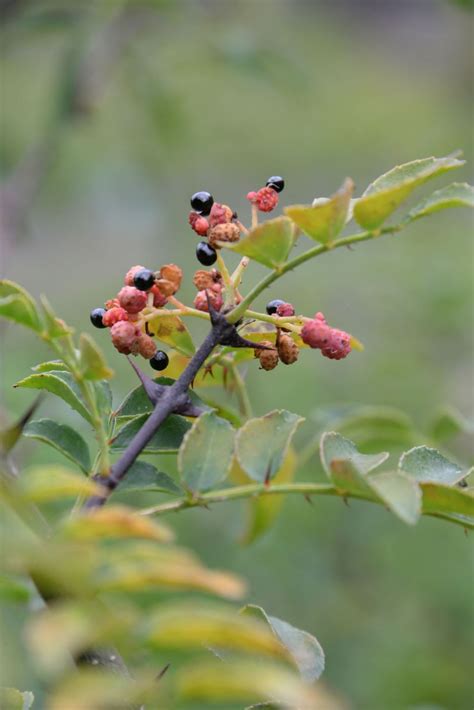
[[162, 672], [152, 389]]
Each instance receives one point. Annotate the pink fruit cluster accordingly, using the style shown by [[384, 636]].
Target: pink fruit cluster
[[219, 214], [122, 313], [333, 343]]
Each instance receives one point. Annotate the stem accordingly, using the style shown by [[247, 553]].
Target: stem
[[245, 405], [221, 266], [256, 490], [239, 270], [238, 312], [252, 490], [170, 400], [289, 322]]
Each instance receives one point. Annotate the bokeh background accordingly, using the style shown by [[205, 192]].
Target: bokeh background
[[113, 114]]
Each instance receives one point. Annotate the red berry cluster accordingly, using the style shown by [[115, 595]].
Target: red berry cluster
[[334, 344], [142, 288], [266, 199], [210, 286]]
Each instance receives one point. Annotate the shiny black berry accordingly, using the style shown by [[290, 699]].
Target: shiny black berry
[[272, 306], [96, 317], [206, 254], [160, 360], [144, 280], [202, 202], [276, 183]]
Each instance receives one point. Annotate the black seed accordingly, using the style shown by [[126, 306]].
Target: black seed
[[96, 317], [276, 183], [206, 254], [202, 202], [272, 306], [144, 279], [160, 360]]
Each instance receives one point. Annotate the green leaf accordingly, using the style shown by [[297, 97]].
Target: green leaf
[[62, 438], [60, 383], [172, 331], [349, 469], [304, 649], [14, 590], [167, 439], [144, 477], [459, 194], [55, 326], [323, 221], [45, 483], [205, 455], [448, 423], [262, 444], [137, 401], [336, 447], [92, 361], [400, 493], [269, 243], [51, 365], [439, 498], [103, 395], [17, 305], [388, 191], [429, 466], [186, 626], [10, 435], [262, 511], [349, 480], [13, 699]]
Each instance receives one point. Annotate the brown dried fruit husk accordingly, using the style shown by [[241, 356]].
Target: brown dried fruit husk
[[223, 233], [268, 358], [287, 349], [204, 279]]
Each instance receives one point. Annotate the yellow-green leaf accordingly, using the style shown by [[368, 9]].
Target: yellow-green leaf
[[46, 483], [269, 243], [323, 221], [388, 191], [18, 305], [115, 521], [186, 626], [245, 681], [172, 331], [92, 360], [459, 194], [55, 326], [13, 699]]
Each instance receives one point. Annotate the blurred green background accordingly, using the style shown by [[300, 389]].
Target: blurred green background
[[113, 113]]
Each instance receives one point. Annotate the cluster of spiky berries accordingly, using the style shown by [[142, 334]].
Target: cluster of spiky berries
[[122, 314], [266, 199], [219, 223], [333, 343]]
